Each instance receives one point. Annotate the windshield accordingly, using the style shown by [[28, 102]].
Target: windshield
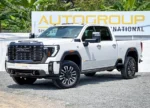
[[61, 32]]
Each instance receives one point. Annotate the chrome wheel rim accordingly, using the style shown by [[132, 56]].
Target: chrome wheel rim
[[68, 76], [131, 68]]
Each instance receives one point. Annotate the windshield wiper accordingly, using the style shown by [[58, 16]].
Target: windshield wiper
[[66, 37]]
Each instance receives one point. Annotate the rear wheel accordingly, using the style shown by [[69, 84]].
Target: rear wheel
[[21, 80], [69, 75], [129, 69], [90, 74]]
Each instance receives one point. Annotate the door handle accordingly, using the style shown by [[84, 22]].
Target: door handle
[[114, 45], [99, 46]]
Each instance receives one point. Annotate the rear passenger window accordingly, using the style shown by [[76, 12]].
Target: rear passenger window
[[105, 33]]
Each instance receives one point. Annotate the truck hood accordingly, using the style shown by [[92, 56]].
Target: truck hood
[[48, 41]]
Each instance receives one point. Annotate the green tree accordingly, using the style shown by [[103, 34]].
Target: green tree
[[17, 14], [92, 5], [132, 5], [52, 5]]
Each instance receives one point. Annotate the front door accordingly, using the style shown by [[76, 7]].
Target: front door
[[91, 53], [100, 54]]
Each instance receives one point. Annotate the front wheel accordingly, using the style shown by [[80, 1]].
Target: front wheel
[[129, 69], [69, 75], [21, 80]]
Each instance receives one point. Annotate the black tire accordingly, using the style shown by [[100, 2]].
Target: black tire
[[21, 81], [90, 74], [129, 69], [110, 70], [69, 75]]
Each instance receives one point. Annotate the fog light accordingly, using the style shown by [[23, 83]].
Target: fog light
[[35, 73], [11, 71], [50, 67]]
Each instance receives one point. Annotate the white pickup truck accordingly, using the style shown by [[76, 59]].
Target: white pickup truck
[[63, 52]]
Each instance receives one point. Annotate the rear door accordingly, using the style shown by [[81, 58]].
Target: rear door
[[109, 49]]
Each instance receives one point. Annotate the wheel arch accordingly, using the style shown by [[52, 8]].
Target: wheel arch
[[132, 52], [72, 56]]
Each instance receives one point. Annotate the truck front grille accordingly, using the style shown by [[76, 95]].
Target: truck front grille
[[25, 52]]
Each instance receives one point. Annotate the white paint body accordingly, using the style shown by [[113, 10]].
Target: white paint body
[[92, 56]]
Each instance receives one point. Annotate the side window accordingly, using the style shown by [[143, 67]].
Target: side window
[[105, 33], [88, 33]]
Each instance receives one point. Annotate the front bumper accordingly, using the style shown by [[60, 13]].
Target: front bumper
[[50, 70], [30, 75]]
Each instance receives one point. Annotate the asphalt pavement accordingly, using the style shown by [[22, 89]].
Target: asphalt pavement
[[104, 90]]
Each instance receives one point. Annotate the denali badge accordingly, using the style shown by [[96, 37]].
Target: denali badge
[[23, 49]]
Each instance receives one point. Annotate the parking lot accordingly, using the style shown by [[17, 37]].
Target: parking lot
[[105, 90]]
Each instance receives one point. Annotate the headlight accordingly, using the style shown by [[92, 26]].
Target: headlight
[[51, 51]]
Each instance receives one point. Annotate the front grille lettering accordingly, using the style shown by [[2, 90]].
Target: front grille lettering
[[28, 52], [23, 49]]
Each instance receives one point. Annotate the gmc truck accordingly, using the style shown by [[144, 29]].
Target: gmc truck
[[63, 52]]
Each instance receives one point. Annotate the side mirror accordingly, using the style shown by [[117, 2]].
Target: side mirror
[[87, 41], [77, 40], [32, 35], [97, 36]]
